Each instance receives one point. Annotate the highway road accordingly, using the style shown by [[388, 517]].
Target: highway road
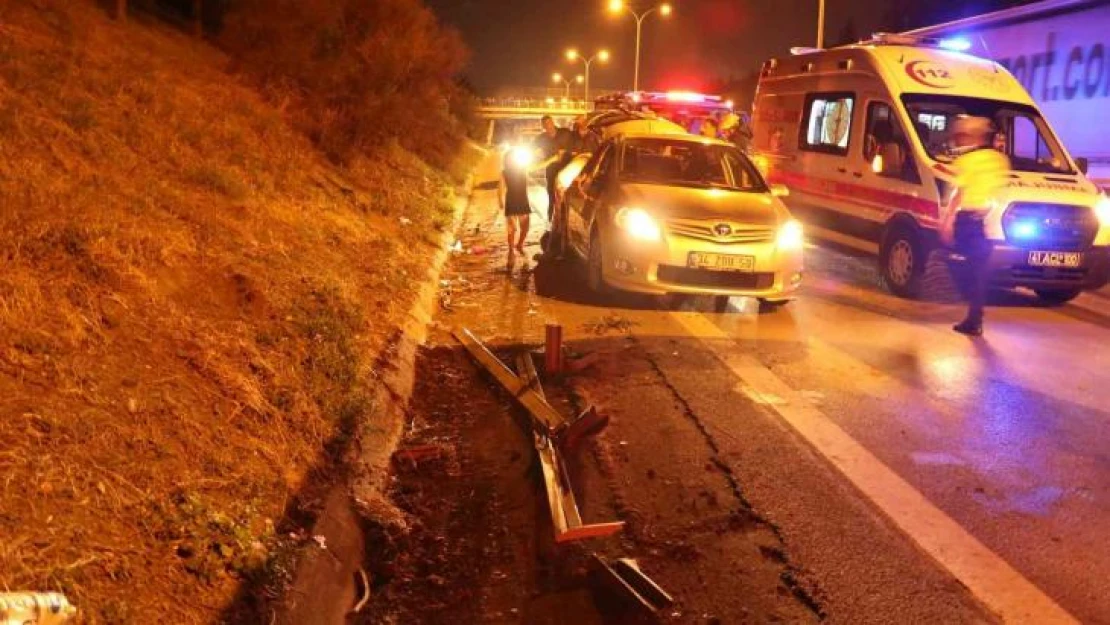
[[895, 471]]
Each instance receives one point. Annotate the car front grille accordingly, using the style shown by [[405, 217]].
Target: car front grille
[[712, 231], [1022, 273], [688, 276], [1058, 226]]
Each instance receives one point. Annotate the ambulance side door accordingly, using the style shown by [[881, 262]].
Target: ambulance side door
[[829, 179], [890, 166]]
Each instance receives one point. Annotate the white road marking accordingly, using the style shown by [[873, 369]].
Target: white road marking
[[990, 578]]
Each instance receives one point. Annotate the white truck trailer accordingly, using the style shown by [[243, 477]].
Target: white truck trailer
[[1060, 51]]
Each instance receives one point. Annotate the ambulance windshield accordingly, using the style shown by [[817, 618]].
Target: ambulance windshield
[[1021, 133]]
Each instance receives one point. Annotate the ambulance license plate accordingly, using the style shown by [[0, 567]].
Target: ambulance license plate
[[1055, 259], [720, 262]]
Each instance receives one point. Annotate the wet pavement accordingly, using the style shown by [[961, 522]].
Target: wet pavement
[[997, 444]]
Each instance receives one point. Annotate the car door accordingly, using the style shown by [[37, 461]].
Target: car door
[[598, 191], [579, 200], [890, 171]]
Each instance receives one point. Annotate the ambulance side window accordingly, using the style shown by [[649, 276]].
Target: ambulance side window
[[827, 123], [885, 147]]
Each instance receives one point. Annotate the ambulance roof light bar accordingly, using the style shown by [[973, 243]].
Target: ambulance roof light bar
[[955, 44]]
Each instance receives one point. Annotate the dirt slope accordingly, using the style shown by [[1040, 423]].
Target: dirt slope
[[190, 302]]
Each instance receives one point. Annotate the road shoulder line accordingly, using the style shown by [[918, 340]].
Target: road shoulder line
[[989, 578]]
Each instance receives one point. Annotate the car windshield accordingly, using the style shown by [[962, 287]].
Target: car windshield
[[683, 162], [1022, 133]]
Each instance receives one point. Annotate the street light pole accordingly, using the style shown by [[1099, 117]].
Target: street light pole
[[820, 24], [602, 55], [663, 9], [558, 78]]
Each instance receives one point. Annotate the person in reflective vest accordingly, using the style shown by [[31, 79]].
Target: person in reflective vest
[[980, 173]]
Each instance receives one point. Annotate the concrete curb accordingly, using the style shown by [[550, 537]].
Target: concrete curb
[[324, 587]]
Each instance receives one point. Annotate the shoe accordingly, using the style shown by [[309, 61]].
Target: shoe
[[969, 328]]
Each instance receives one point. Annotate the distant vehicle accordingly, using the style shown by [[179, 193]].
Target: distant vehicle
[[861, 136], [684, 107], [677, 213]]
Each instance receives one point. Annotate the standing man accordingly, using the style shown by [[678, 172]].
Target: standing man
[[579, 141], [980, 173], [552, 143]]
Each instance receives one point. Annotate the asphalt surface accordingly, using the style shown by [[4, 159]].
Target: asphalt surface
[[998, 443]]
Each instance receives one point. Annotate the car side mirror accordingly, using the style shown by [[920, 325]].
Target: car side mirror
[[780, 190], [1083, 164]]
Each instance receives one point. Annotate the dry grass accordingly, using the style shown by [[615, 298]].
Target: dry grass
[[189, 301]]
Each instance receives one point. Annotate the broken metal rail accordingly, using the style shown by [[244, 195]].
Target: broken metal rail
[[552, 433]]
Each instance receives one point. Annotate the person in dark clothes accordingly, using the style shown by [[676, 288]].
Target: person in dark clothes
[[512, 193], [580, 140], [552, 144]]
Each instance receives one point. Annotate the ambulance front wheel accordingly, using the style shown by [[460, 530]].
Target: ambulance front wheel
[[902, 260], [1057, 297]]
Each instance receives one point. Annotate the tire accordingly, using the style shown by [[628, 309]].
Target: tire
[[1057, 297], [771, 305], [595, 278], [720, 303], [902, 261]]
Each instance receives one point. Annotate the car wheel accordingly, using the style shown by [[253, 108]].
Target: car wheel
[[595, 278], [1057, 297], [902, 260], [720, 303], [771, 305]]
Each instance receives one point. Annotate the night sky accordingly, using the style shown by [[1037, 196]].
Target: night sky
[[520, 42]]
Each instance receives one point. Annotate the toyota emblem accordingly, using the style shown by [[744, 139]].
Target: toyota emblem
[[722, 230]]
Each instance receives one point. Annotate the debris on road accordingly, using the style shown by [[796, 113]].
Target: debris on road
[[416, 455], [581, 363], [545, 418], [35, 608], [565, 517], [553, 349], [364, 581], [625, 582], [550, 431], [609, 323]]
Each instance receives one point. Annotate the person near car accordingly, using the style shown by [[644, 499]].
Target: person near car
[[980, 173], [740, 133], [581, 140], [709, 127], [512, 194], [552, 143]]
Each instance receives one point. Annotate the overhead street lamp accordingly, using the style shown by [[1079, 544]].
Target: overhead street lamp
[[616, 6], [558, 78], [573, 55]]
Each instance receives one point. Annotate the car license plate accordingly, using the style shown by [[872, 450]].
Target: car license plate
[[720, 262], [1055, 259]]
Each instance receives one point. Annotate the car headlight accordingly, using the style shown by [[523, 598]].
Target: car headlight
[[639, 224], [1102, 210], [790, 236]]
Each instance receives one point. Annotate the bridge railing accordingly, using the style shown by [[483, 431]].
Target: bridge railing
[[535, 103]]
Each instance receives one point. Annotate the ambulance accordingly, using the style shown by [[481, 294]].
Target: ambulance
[[861, 136]]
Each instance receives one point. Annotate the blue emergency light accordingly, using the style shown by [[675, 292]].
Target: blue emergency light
[[955, 44], [1025, 230]]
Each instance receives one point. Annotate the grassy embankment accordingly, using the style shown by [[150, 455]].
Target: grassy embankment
[[191, 299]]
